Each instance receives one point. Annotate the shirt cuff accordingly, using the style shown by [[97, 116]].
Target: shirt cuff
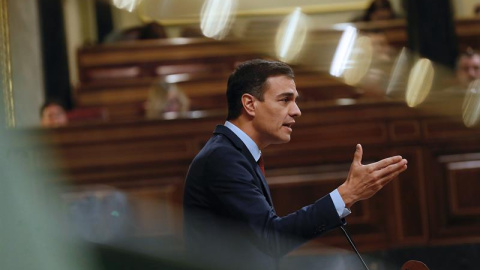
[[339, 204]]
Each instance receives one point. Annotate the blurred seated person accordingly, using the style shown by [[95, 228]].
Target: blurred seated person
[[165, 99], [378, 10], [53, 114], [477, 10], [151, 30], [376, 79], [468, 67], [467, 70]]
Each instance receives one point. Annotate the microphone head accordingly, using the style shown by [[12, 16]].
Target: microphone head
[[414, 265]]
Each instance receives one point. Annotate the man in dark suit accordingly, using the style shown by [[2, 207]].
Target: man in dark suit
[[230, 221]]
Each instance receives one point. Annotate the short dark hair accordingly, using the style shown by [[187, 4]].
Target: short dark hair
[[377, 5], [468, 53], [250, 78]]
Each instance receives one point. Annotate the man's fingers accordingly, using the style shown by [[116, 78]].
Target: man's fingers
[[391, 172], [386, 162], [357, 157], [392, 168]]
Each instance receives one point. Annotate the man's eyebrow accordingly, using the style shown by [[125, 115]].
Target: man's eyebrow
[[286, 94]]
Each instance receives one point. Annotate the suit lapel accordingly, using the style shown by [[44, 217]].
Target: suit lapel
[[261, 181], [264, 185]]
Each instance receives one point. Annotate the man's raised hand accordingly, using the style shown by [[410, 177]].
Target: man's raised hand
[[363, 181]]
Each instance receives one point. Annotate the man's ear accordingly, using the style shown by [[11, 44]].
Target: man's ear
[[248, 102]]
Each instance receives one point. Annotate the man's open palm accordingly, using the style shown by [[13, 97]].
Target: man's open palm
[[363, 181]]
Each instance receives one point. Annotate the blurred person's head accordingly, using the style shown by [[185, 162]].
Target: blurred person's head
[[152, 30], [164, 98], [53, 114], [468, 67], [379, 10]]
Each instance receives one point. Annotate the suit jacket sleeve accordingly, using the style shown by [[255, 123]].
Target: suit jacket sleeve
[[233, 180]]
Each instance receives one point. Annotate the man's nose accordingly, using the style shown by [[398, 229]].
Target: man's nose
[[295, 110], [472, 73]]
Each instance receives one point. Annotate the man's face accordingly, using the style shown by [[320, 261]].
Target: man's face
[[274, 117], [468, 69], [54, 116]]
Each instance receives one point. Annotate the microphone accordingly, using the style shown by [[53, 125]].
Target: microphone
[[353, 246], [414, 265]]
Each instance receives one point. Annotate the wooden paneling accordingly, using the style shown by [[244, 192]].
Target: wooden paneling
[[408, 204], [157, 210], [434, 201], [454, 201], [405, 130], [296, 188]]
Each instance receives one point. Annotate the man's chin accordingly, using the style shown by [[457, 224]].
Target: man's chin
[[282, 140]]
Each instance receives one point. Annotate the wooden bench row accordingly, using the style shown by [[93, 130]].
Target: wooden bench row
[[205, 92], [153, 58], [117, 77]]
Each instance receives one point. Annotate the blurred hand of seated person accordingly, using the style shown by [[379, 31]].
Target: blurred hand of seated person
[[53, 114], [165, 100]]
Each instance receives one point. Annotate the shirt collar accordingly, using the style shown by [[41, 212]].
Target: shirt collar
[[251, 145]]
